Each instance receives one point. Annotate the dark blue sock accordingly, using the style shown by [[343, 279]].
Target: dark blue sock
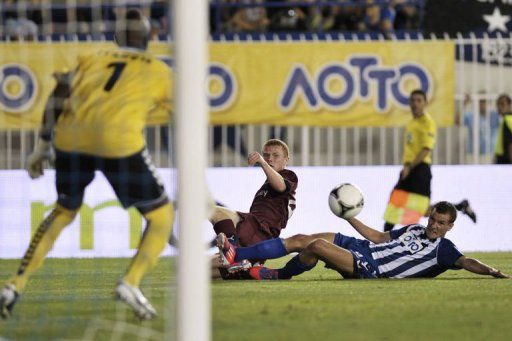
[[294, 267], [269, 249]]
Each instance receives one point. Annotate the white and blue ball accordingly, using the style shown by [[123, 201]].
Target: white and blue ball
[[346, 200]]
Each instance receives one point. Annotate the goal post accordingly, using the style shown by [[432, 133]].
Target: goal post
[[190, 57]]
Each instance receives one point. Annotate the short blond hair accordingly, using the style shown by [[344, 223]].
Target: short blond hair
[[277, 142]]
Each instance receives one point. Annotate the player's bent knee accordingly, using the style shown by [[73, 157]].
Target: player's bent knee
[[220, 213], [217, 215], [317, 245]]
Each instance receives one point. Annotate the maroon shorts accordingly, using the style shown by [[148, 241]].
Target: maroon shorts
[[249, 230]]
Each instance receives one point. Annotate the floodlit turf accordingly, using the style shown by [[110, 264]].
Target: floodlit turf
[[71, 299]]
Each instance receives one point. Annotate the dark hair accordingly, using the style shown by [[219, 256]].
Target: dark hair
[[444, 207], [419, 92], [133, 29], [506, 97], [133, 14]]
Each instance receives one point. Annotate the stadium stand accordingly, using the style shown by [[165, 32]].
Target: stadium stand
[[93, 16]]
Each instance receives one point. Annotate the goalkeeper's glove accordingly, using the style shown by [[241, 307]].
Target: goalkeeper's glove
[[42, 151]]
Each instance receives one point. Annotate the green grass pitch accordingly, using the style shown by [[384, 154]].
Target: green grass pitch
[[72, 299]]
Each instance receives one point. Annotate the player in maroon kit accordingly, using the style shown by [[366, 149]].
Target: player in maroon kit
[[272, 205]]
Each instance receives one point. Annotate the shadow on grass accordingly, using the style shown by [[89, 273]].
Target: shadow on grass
[[352, 280]]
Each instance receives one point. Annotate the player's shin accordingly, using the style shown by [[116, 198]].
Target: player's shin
[[41, 243], [268, 249], [296, 266], [152, 243]]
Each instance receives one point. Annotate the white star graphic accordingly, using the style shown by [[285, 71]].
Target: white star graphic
[[497, 21]]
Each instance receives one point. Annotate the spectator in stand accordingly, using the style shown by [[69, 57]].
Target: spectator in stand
[[345, 17], [84, 19], [288, 18], [20, 29], [221, 12], [488, 122], [21, 21], [159, 17], [407, 15], [250, 19], [378, 18]]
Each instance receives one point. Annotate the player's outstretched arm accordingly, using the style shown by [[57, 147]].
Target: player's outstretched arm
[[368, 232], [477, 267], [274, 178]]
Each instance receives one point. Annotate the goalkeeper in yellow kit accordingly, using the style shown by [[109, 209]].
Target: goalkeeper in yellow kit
[[96, 116]]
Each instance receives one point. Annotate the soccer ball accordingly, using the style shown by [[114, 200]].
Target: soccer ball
[[346, 200]]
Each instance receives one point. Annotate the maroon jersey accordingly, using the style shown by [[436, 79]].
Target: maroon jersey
[[273, 209]]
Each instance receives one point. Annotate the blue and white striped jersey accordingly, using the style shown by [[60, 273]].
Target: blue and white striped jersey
[[411, 254]]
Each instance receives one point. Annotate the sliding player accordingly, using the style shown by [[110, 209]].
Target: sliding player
[[412, 251], [272, 205]]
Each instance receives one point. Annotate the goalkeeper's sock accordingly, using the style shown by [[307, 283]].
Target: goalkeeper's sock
[[41, 243], [294, 267], [269, 249], [153, 241]]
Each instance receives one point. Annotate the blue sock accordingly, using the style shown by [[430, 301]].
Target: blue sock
[[269, 249], [294, 267]]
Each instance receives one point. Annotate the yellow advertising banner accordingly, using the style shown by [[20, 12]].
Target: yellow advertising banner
[[285, 83], [331, 83]]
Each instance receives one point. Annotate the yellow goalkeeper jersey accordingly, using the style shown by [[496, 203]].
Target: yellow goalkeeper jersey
[[113, 94], [419, 133]]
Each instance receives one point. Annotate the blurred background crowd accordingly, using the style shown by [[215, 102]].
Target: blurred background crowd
[[34, 17], [315, 15]]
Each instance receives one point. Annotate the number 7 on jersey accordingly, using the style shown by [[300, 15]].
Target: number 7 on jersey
[[118, 69]]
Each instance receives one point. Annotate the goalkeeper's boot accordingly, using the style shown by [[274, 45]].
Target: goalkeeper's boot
[[8, 298], [227, 251], [239, 266], [466, 209], [135, 299], [263, 273]]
